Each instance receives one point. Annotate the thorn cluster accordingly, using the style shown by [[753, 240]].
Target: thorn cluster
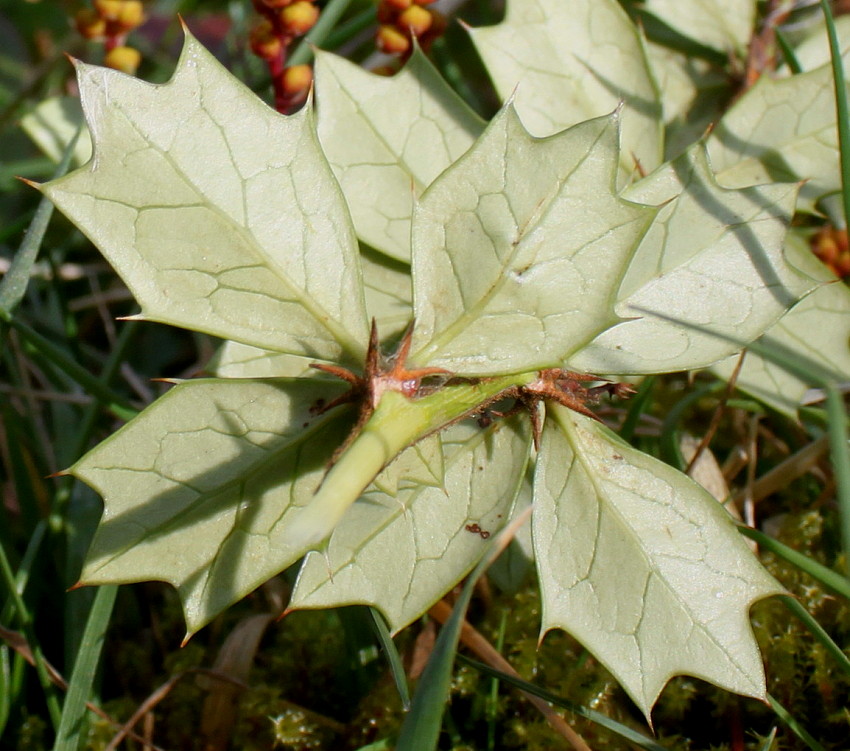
[[280, 23], [400, 21], [380, 374], [110, 21], [390, 373]]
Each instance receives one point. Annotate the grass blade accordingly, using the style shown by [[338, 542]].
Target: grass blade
[[840, 455], [826, 576], [393, 657], [421, 728], [71, 725], [818, 632], [14, 283], [623, 731], [841, 107], [798, 730]]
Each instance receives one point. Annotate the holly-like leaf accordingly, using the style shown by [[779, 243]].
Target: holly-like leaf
[[519, 249], [724, 25], [387, 289], [642, 565], [220, 214], [713, 259], [566, 62], [198, 488], [387, 139], [432, 534], [781, 130], [817, 330], [52, 125]]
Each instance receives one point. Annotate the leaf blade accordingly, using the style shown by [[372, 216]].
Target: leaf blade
[[220, 214], [641, 565]]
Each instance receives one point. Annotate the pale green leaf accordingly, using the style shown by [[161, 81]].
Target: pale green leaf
[[52, 124], [713, 258], [198, 488], [563, 62], [401, 552], [387, 287], [693, 94], [519, 249], [237, 360], [781, 130], [388, 292], [220, 214], [387, 139], [817, 329], [724, 25], [813, 50], [642, 565]]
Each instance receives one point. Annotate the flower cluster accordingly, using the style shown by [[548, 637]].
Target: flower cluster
[[402, 20], [109, 21], [831, 246], [282, 21]]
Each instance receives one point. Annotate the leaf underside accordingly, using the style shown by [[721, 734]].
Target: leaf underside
[[226, 218], [641, 565]]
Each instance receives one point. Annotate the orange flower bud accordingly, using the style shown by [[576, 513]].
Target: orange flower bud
[[130, 15], [415, 19], [297, 79], [109, 10], [392, 41], [299, 17], [89, 23], [125, 59], [276, 4], [424, 2], [264, 42], [398, 4]]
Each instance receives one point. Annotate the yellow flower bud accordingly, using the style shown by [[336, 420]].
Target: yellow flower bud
[[415, 19], [392, 41], [125, 59], [299, 17], [297, 79]]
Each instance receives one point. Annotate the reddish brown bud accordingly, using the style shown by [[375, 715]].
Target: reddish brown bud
[[264, 42], [90, 24], [398, 4]]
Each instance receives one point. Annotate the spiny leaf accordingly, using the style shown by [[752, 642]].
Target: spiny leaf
[[817, 329], [387, 139], [198, 488], [725, 25], [781, 130], [713, 258], [220, 214], [641, 565], [387, 289], [566, 62], [427, 531], [519, 249]]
